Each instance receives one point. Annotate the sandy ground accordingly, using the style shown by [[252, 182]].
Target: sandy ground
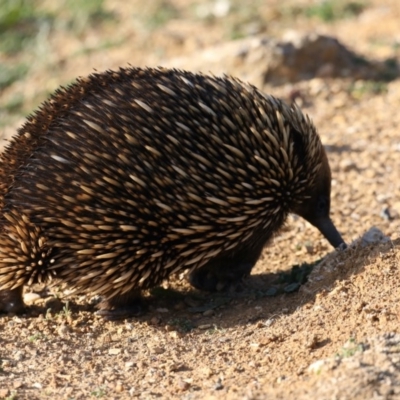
[[336, 338]]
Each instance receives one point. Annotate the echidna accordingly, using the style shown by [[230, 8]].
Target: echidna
[[127, 176]]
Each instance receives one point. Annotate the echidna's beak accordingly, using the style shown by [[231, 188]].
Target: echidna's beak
[[326, 227]]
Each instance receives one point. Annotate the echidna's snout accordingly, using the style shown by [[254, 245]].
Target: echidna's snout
[[328, 229], [316, 211]]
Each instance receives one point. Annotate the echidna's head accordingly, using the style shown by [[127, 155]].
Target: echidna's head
[[315, 209]]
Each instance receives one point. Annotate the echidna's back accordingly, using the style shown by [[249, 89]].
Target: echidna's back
[[31, 135]]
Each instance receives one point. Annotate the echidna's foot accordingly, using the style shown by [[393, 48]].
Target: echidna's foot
[[11, 301], [212, 279], [119, 307]]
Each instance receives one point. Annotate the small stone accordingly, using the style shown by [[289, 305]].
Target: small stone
[[183, 385], [208, 313], [170, 328], [114, 351], [63, 330], [158, 350], [218, 385], [175, 334], [386, 214], [316, 366], [347, 165], [17, 384], [173, 366], [129, 365], [293, 287], [309, 248], [18, 356], [119, 387], [205, 326], [155, 321], [206, 372], [30, 298], [272, 291], [312, 342], [373, 235]]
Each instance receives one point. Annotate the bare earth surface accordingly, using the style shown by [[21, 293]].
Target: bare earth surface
[[337, 337]]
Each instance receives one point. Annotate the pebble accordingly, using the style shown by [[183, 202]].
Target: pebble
[[37, 385], [155, 321], [175, 334], [119, 387], [129, 364], [373, 235], [272, 291], [183, 385], [316, 366], [347, 165], [113, 352], [63, 330], [312, 342], [385, 214], [292, 287], [30, 298], [162, 310], [218, 385], [205, 326], [158, 350]]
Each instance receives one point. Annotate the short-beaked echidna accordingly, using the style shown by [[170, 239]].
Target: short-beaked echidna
[[127, 176]]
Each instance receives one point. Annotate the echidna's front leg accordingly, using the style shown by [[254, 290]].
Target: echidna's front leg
[[11, 301], [226, 272], [121, 306], [212, 277]]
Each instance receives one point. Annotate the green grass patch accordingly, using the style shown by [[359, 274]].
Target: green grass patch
[[20, 23], [157, 13], [99, 392], [298, 274], [34, 338], [9, 74], [12, 396], [289, 281], [15, 104], [325, 10], [360, 89], [331, 10], [77, 16], [350, 348], [23, 21]]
